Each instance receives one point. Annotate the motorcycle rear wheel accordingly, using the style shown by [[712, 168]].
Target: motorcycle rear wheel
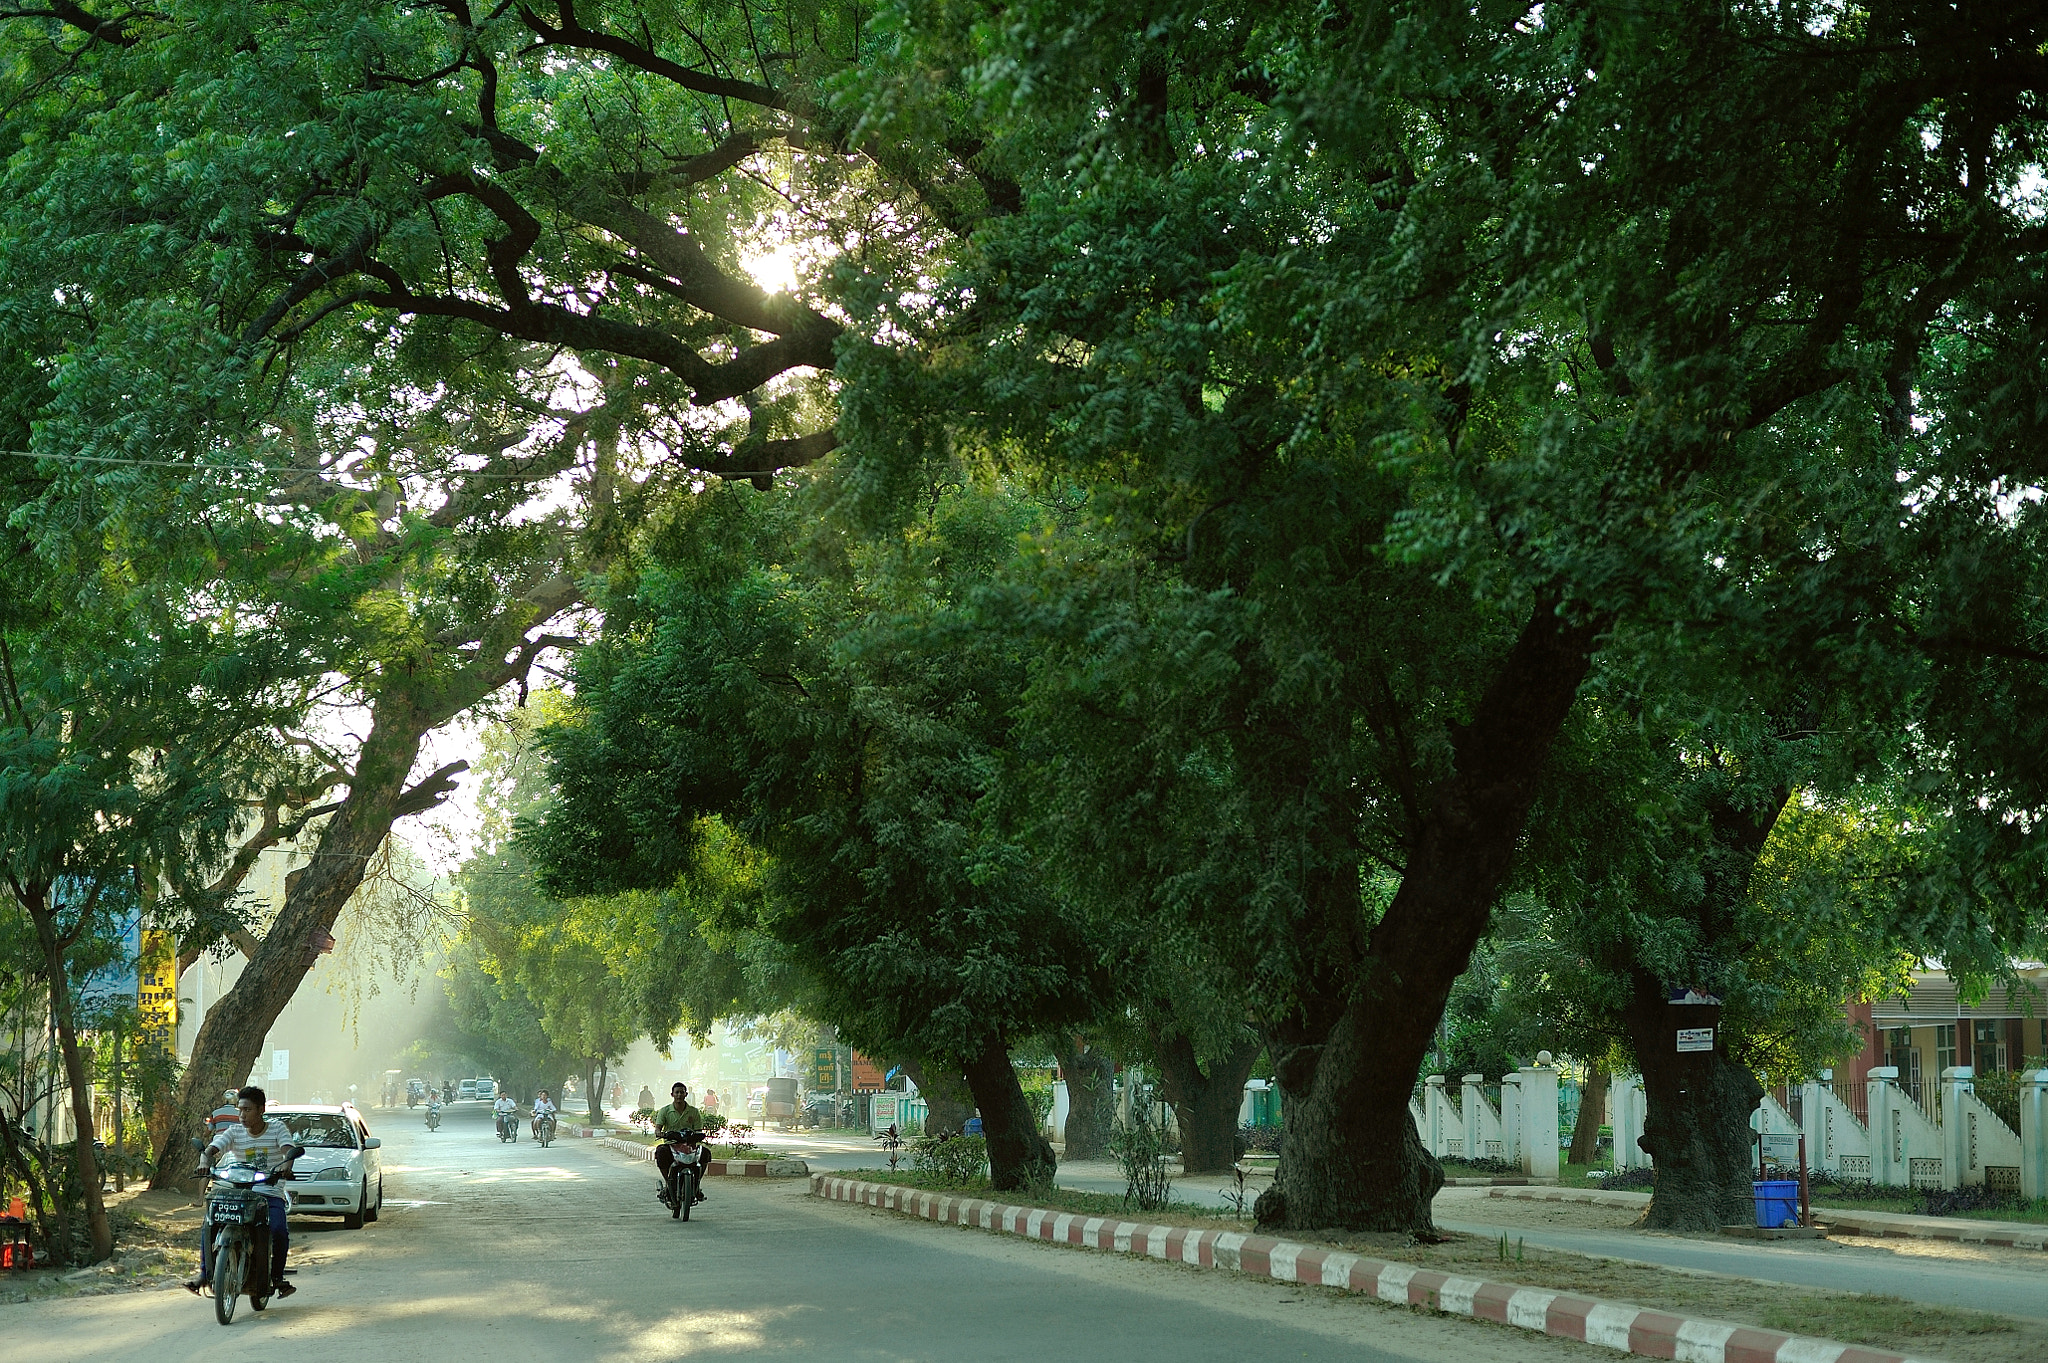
[[229, 1259]]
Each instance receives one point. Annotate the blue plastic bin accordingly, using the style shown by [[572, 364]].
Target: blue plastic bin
[[1777, 1203]]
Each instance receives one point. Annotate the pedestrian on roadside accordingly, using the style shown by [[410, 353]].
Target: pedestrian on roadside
[[228, 1114]]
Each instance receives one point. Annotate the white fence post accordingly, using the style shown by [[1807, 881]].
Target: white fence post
[[1482, 1123], [1511, 1118], [1957, 1158], [1539, 1117], [2034, 1133], [1626, 1094], [1434, 1108]]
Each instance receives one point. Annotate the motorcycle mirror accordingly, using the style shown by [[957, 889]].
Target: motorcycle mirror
[[198, 1144]]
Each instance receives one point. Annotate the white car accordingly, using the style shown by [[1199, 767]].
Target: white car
[[341, 1174]]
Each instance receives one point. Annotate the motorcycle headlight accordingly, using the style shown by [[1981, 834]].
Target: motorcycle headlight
[[339, 1171]]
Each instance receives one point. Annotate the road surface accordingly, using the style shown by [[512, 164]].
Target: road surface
[[510, 1252]]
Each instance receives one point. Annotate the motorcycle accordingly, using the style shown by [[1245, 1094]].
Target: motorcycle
[[238, 1219], [685, 1171], [433, 1116], [544, 1130], [508, 1127]]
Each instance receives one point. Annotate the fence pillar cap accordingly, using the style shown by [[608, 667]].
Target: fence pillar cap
[[2039, 1077], [1827, 1076], [1959, 1072], [1543, 1057], [1436, 1079], [1475, 1078], [1515, 1077], [1884, 1071]]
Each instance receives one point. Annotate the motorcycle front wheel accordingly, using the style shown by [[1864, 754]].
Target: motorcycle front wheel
[[231, 1256], [688, 1192]]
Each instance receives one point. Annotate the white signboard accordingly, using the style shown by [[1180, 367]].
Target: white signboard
[[280, 1064], [1695, 1039]]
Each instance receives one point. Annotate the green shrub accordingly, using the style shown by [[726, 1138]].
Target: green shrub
[[2001, 1093], [957, 1160], [1137, 1148]]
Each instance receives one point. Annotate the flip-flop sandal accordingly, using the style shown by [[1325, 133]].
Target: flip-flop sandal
[[285, 1289]]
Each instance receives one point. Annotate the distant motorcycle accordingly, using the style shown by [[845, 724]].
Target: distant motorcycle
[[433, 1116], [685, 1171], [508, 1127], [544, 1130]]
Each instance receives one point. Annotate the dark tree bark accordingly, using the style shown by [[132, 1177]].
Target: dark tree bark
[[235, 1026], [948, 1101], [1592, 1108], [1205, 1103], [1697, 1124], [1091, 1098], [1352, 1159], [1018, 1156], [35, 900]]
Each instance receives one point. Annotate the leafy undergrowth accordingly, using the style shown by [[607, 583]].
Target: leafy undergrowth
[[1883, 1322]]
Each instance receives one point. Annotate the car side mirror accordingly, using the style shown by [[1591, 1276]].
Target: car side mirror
[[372, 1144]]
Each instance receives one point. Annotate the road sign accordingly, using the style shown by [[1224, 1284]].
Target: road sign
[[867, 1075], [825, 1068], [1695, 1039], [280, 1064]]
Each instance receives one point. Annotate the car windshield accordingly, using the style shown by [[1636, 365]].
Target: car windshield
[[319, 1128]]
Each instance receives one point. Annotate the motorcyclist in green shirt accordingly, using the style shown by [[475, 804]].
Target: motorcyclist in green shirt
[[676, 1115]]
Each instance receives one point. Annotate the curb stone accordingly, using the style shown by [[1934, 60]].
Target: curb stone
[[2002, 1234], [1614, 1325]]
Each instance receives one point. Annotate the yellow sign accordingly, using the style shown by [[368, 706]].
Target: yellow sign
[[156, 993]]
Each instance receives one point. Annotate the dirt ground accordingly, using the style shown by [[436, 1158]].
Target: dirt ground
[[156, 1244]]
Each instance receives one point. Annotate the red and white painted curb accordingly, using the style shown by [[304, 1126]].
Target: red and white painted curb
[[1632, 1329]]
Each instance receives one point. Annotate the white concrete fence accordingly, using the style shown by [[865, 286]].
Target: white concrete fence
[[1521, 1131], [1900, 1147]]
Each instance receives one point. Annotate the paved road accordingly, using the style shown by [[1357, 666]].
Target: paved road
[[511, 1252]]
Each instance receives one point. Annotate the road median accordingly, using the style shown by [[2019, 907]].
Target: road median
[[1616, 1325]]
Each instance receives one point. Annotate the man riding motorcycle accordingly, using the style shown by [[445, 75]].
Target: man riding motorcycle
[[258, 1142], [507, 1111], [677, 1115], [543, 1106]]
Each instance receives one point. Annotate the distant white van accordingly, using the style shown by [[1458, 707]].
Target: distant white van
[[486, 1089]]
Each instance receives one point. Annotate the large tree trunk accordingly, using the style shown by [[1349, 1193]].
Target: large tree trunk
[[1697, 1124], [231, 1038], [1091, 1098], [43, 915], [1204, 1104], [947, 1099], [1019, 1156], [1592, 1111], [1352, 1159]]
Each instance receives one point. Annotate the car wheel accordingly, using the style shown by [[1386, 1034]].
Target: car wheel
[[371, 1213], [354, 1220]]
